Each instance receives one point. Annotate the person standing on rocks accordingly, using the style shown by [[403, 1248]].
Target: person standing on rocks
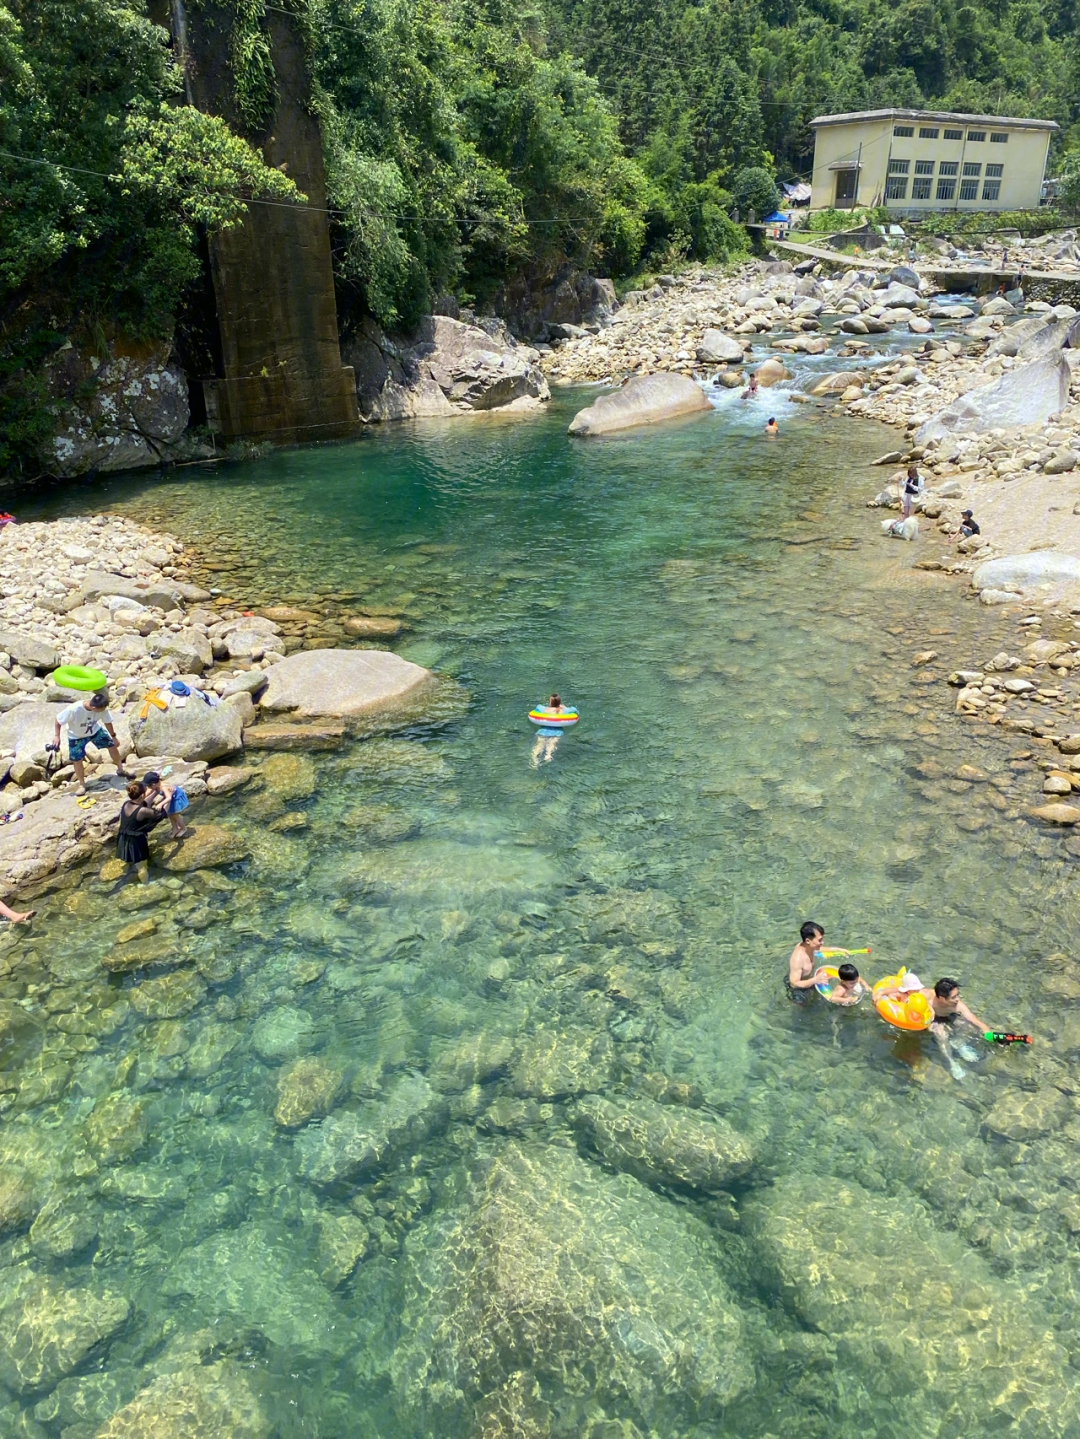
[[804, 971], [138, 816], [912, 487], [88, 722]]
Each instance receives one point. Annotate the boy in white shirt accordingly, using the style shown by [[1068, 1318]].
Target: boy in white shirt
[[87, 721]]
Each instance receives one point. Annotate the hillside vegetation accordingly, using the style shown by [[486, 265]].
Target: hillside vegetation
[[467, 141]]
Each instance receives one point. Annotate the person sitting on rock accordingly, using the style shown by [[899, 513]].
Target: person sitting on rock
[[804, 971], [15, 916], [850, 986], [910, 490], [968, 526], [750, 393], [87, 721], [772, 428]]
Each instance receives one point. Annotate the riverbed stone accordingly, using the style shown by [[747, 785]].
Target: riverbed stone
[[345, 1146], [169, 997], [207, 1401], [643, 400], [117, 1129], [718, 348], [18, 1201], [289, 777], [343, 1242], [1027, 395], [206, 846], [579, 1281], [282, 1032], [472, 1059], [664, 1144], [917, 1331], [49, 1330], [25, 650], [557, 1063], [306, 1090], [1022, 1114], [372, 627], [345, 684]]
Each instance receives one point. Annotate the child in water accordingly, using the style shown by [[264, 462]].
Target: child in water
[[849, 987], [547, 736], [772, 428]]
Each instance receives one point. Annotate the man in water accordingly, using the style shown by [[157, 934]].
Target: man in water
[[804, 968], [944, 999], [772, 428], [850, 986]]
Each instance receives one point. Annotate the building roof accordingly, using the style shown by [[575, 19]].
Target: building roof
[[942, 115]]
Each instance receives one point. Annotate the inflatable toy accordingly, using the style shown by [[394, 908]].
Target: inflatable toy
[[834, 976], [560, 719], [78, 677], [910, 1011]]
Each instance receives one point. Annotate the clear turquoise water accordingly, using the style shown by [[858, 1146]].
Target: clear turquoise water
[[466, 944]]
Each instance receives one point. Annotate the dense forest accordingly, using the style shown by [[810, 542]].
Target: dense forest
[[466, 141]]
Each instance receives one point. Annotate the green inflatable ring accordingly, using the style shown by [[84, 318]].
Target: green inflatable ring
[[78, 677]]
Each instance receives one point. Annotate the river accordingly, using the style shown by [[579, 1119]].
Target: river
[[446, 949]]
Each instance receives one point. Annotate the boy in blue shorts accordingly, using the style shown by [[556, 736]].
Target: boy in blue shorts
[[87, 721]]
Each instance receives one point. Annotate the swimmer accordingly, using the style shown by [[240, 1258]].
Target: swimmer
[[15, 916], [804, 972], [547, 740], [850, 986], [772, 428], [944, 999], [750, 393]]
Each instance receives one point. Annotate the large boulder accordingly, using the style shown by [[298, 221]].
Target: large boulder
[[445, 368], [1028, 395], [579, 1282], [1046, 342], [343, 683], [1025, 572], [915, 1316], [205, 1401], [50, 1330], [28, 728], [189, 650], [663, 1143], [717, 348], [196, 730], [159, 591], [35, 654], [360, 1141], [837, 383], [644, 400], [1016, 335]]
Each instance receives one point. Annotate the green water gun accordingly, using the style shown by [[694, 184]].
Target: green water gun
[[993, 1036]]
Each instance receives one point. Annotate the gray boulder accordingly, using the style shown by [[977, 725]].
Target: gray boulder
[[188, 649], [346, 683], [897, 295], [1024, 572], [50, 1330], [905, 275], [1028, 395], [1013, 336], [644, 400], [1046, 342], [158, 591], [718, 348], [28, 728], [195, 731], [35, 654]]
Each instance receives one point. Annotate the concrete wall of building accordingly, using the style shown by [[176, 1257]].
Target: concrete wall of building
[[1022, 158]]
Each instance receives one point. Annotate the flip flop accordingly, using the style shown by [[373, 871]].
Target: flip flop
[[87, 801], [11, 818]]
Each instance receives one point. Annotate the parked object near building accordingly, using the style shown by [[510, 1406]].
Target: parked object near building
[[920, 160]]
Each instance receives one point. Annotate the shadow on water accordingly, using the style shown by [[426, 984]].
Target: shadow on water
[[471, 1103]]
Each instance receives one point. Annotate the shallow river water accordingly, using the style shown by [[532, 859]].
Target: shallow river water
[[471, 1103]]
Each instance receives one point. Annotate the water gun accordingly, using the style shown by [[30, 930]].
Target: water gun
[[993, 1036], [832, 953]]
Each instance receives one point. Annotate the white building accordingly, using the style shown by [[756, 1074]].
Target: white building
[[914, 160]]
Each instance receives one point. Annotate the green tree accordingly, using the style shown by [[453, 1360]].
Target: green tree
[[754, 192]]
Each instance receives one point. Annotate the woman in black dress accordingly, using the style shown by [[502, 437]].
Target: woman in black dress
[[137, 819]]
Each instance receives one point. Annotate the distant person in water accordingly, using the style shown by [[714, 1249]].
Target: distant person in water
[[547, 736], [944, 999], [804, 968], [751, 391], [849, 987], [772, 428]]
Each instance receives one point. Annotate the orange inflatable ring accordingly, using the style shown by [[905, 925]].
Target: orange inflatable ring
[[913, 1011]]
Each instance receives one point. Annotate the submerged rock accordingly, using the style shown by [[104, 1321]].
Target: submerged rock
[[644, 400], [556, 1063], [282, 1032], [914, 1314], [205, 847], [306, 1090], [208, 1401], [48, 1331], [343, 1242], [347, 1145], [18, 1202], [663, 1144], [579, 1282], [117, 1129]]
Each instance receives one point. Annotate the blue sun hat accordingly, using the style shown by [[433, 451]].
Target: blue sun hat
[[178, 687]]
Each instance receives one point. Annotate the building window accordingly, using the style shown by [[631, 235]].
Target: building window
[[970, 169], [924, 167], [946, 189], [976, 135], [999, 138], [899, 167], [920, 189], [903, 131], [994, 172], [954, 134], [948, 167], [969, 189], [928, 132], [991, 189], [896, 188]]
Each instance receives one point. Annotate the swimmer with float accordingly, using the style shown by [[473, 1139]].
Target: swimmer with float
[[551, 719], [844, 985], [943, 1008]]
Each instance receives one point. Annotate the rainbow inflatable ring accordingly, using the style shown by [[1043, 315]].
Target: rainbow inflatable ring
[[564, 718], [911, 1012]]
